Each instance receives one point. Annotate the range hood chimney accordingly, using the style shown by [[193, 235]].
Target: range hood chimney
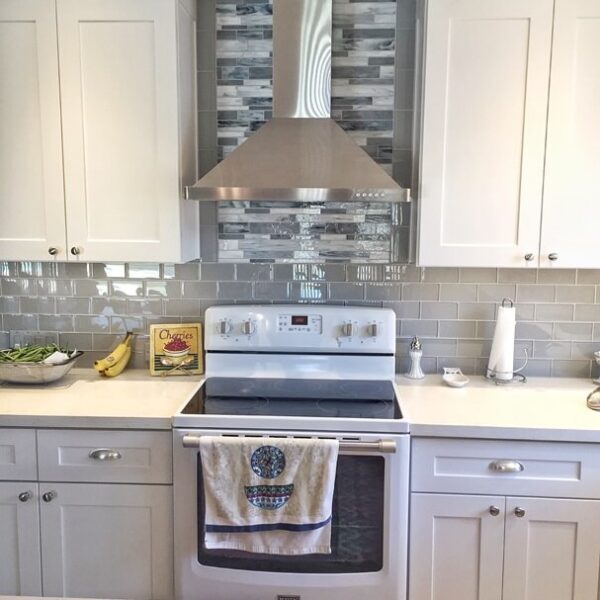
[[301, 155]]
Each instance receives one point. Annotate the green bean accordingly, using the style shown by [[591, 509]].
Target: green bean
[[33, 353]]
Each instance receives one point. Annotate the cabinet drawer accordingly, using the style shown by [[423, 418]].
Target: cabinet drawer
[[17, 454], [500, 467], [105, 456]]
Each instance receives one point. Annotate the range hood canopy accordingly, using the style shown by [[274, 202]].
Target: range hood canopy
[[301, 155]]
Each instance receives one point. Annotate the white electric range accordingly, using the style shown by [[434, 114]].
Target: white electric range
[[301, 371]]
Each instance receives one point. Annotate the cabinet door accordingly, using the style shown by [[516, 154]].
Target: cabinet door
[[20, 569], [572, 188], [553, 550], [456, 547], [31, 172], [118, 61], [484, 125], [107, 541]]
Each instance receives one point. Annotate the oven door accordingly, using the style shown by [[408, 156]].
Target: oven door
[[369, 533]]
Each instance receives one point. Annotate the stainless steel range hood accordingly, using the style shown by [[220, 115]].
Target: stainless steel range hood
[[301, 154]]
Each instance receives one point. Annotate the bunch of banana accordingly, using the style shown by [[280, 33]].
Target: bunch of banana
[[117, 360]]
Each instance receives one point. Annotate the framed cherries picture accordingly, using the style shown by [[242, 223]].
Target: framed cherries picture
[[176, 349]]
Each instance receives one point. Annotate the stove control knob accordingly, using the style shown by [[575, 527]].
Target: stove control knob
[[348, 329], [248, 327], [373, 330], [224, 327]]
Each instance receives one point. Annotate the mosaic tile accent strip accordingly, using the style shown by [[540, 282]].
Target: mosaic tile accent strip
[[363, 74], [244, 51], [310, 232]]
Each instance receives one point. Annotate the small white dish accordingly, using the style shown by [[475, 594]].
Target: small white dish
[[454, 377]]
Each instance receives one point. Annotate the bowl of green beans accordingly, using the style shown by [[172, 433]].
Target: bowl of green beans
[[38, 363]]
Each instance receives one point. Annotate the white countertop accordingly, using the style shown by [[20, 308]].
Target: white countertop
[[133, 400], [542, 409]]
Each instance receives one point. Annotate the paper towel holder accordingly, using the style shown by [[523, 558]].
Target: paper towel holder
[[517, 377]]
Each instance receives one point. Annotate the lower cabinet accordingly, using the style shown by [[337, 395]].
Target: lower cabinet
[[86, 539], [493, 548], [106, 541], [467, 547], [20, 568], [528, 529], [456, 547]]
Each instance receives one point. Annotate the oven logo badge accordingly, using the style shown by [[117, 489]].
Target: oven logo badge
[[268, 462]]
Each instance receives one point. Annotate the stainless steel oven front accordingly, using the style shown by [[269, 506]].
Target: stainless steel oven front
[[369, 529]]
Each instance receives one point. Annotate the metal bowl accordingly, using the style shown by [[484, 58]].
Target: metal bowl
[[35, 373]]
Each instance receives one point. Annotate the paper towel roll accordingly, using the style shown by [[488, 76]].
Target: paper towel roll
[[501, 363]]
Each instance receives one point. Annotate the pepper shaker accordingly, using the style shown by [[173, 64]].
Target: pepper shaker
[[415, 360]]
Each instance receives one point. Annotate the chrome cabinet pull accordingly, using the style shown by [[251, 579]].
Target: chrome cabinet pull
[[519, 512], [105, 454], [24, 496], [75, 250], [506, 466], [529, 257], [52, 251], [49, 496], [553, 256], [494, 511]]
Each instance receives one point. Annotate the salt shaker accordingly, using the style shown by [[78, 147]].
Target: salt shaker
[[415, 360]]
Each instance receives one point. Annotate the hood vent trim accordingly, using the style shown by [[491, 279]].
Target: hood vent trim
[[301, 155]]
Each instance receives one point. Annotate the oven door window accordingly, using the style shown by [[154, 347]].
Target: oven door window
[[356, 532]]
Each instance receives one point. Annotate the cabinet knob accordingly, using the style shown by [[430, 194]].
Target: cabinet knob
[[494, 511], [49, 496], [24, 496], [75, 250], [553, 256], [104, 454], [519, 512], [53, 251], [529, 257]]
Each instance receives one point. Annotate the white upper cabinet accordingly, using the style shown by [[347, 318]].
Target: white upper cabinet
[[511, 134], [486, 70], [32, 214], [125, 130], [572, 187]]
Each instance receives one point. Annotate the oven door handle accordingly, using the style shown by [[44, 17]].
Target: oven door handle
[[379, 446]]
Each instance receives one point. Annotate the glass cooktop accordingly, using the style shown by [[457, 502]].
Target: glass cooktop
[[296, 398]]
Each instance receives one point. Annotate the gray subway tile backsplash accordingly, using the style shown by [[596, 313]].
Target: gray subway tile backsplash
[[558, 321]]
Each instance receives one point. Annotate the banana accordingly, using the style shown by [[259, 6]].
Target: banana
[[115, 356], [118, 368]]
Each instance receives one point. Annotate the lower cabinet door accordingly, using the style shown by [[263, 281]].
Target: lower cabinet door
[[107, 541], [20, 567], [456, 547], [552, 549]]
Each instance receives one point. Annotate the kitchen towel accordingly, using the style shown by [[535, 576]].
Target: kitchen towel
[[268, 495], [501, 363]]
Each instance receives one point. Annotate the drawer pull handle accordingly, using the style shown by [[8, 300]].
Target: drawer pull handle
[[105, 454], [24, 496], [49, 496], [494, 511], [519, 512], [506, 466]]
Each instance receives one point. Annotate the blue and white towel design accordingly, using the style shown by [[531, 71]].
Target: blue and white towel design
[[268, 495]]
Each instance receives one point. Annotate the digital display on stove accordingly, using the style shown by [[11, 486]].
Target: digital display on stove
[[299, 319]]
